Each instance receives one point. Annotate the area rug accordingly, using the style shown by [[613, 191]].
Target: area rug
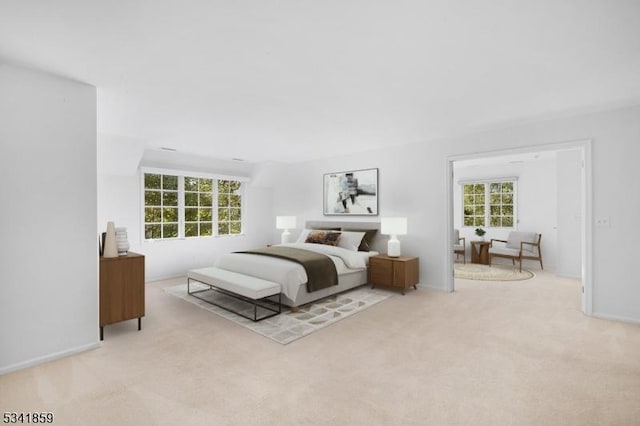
[[473, 271], [288, 326]]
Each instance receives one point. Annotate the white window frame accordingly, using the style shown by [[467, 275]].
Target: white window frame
[[487, 201], [181, 212]]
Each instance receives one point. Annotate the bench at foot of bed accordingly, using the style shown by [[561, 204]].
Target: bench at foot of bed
[[256, 291]]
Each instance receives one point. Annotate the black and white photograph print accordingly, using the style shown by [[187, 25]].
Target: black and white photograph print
[[351, 193]]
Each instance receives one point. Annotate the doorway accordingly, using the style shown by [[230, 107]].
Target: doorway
[[582, 219]]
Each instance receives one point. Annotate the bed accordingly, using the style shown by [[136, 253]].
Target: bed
[[350, 263]]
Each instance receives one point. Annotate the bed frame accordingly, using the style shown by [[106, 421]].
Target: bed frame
[[347, 281]]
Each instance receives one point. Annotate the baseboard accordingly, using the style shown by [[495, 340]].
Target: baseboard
[[47, 358], [616, 318]]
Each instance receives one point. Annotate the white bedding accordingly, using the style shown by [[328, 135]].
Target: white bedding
[[291, 275]]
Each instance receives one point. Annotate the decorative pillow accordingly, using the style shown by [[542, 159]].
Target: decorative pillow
[[350, 240], [305, 233], [367, 241], [323, 237]]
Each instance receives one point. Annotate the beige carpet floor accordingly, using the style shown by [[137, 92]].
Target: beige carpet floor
[[492, 353]]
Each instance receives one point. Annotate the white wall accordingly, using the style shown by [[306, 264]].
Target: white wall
[[119, 200], [413, 183], [48, 278], [410, 184], [536, 202]]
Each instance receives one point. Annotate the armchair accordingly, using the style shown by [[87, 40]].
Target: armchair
[[518, 246], [459, 248]]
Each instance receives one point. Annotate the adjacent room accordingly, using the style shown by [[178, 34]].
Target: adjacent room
[[498, 198], [283, 213]]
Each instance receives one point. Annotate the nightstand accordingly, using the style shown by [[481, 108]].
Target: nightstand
[[397, 272]]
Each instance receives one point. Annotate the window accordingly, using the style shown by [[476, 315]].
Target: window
[[177, 205], [229, 207], [501, 204], [198, 205], [160, 206], [489, 204], [474, 204]]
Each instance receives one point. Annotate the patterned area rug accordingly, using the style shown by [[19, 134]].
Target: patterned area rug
[[288, 326], [473, 271]]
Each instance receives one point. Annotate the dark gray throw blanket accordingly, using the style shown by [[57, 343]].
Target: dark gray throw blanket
[[321, 271]]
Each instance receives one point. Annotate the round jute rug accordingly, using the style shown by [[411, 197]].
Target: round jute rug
[[473, 271]]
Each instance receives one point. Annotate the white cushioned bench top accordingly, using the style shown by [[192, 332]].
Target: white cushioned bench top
[[244, 285]]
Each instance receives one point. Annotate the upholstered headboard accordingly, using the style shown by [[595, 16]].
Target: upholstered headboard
[[379, 241]]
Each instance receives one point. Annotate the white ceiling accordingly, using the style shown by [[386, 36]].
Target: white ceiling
[[291, 80]]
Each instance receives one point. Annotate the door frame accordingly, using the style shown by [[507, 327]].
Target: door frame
[[584, 146]]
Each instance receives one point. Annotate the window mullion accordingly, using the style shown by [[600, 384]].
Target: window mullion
[[487, 205], [214, 207], [181, 232]]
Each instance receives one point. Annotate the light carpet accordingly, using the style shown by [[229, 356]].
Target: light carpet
[[474, 271], [510, 353], [287, 326]]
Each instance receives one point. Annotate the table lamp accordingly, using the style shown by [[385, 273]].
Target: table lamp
[[393, 226], [286, 223]]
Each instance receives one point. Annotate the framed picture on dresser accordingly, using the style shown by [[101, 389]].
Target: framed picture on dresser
[[351, 193]]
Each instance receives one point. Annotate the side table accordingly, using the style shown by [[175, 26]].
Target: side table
[[399, 272], [480, 252]]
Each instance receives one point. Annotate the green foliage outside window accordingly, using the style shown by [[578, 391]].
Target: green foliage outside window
[[161, 206], [197, 200], [202, 212], [474, 205], [491, 204], [229, 207]]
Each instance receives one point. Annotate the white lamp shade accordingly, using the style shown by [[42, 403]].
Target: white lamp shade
[[393, 226], [285, 222]]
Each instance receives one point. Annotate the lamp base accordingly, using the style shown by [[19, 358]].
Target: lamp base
[[284, 239], [393, 247]]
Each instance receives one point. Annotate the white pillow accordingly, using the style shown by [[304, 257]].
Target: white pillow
[[350, 240]]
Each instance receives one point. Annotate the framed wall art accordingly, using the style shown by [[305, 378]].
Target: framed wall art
[[351, 193]]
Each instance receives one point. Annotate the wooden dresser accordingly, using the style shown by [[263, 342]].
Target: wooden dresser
[[121, 289], [398, 272]]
